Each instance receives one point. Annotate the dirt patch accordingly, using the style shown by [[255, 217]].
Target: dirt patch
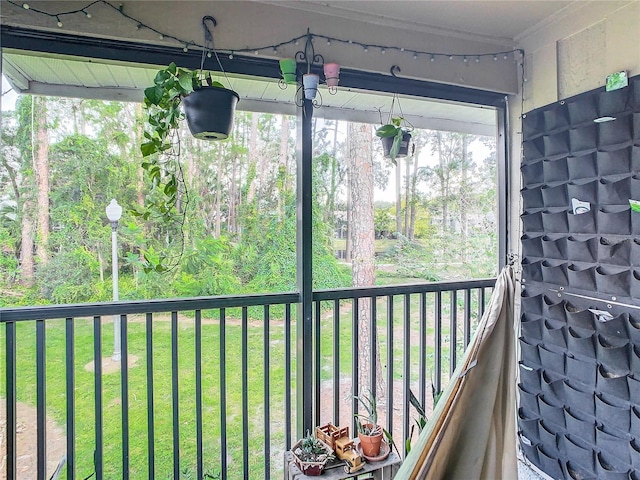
[[27, 441], [111, 366]]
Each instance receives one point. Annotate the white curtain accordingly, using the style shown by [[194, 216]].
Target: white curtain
[[472, 432]]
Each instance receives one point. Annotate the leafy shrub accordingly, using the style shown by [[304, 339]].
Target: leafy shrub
[[68, 277]]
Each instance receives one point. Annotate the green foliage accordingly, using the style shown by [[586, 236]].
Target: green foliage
[[68, 277], [412, 258], [367, 423], [395, 129]]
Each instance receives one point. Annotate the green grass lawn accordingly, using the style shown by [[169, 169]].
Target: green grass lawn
[[211, 365]]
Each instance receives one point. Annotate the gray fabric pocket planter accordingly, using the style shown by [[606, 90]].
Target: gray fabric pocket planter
[[634, 187], [531, 326], [633, 329], [574, 471], [583, 346], [616, 416], [549, 435], [555, 117], [549, 463], [549, 306], [581, 402], [532, 271], [634, 388], [610, 468], [613, 280], [635, 251], [614, 102], [613, 353], [530, 449], [529, 352], [555, 221], [635, 422], [577, 317], [584, 190], [553, 333], [616, 327], [532, 304], [552, 386], [582, 222], [551, 360], [581, 277], [532, 245], [554, 246], [532, 174], [554, 196], [583, 139], [582, 166], [635, 284], [555, 170], [554, 271], [531, 198], [528, 400], [532, 150], [579, 451], [532, 221], [532, 124], [556, 144], [528, 426], [583, 110], [635, 361], [615, 162], [614, 383], [634, 453], [614, 252], [614, 443], [616, 134], [551, 410], [614, 219], [614, 192], [579, 424], [581, 371], [529, 377]]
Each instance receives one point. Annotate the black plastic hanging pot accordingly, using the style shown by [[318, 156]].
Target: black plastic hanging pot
[[210, 112], [387, 142]]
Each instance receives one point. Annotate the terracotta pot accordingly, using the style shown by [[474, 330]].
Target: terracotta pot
[[370, 444]]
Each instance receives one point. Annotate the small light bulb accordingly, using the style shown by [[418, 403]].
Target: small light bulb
[[450, 57], [297, 42], [506, 56], [230, 56], [350, 41], [495, 57], [275, 50], [257, 52], [329, 42], [87, 14], [185, 49], [415, 56], [138, 26], [383, 51], [477, 58], [161, 37], [366, 49], [26, 6], [59, 23], [209, 55], [402, 49], [465, 59], [433, 59]]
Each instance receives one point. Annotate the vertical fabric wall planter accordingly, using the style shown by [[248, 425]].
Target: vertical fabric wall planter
[[581, 265]]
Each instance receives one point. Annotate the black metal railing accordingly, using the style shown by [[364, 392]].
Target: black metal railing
[[205, 385]]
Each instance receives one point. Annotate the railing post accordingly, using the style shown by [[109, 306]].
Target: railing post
[[304, 317]]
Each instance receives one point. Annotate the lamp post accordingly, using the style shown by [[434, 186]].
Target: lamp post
[[114, 212]]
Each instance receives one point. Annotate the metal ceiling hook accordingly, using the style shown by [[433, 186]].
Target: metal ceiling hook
[[393, 70], [208, 35]]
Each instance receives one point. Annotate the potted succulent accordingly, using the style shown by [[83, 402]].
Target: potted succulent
[[395, 137], [311, 455], [369, 432]]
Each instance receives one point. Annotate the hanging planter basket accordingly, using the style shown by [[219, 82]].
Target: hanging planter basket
[[387, 143], [210, 111]]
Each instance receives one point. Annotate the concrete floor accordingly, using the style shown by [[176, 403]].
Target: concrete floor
[[527, 473]]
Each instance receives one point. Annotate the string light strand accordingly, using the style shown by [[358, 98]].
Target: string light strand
[[275, 48]]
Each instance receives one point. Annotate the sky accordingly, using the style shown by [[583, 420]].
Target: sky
[[9, 99]]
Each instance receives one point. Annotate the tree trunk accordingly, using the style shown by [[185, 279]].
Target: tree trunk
[[27, 264], [414, 198], [41, 170], [282, 164], [363, 247], [218, 201], [407, 197]]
